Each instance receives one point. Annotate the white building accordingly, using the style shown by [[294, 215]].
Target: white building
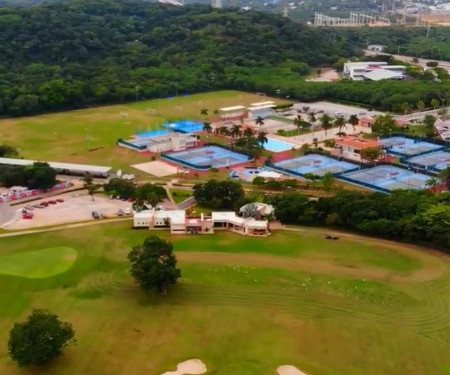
[[179, 223], [172, 142], [373, 70], [162, 143], [261, 109], [234, 112]]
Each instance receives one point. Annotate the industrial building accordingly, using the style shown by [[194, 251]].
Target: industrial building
[[63, 168]]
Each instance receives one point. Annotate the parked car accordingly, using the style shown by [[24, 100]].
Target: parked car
[[52, 202], [127, 211], [331, 237], [120, 212], [131, 199], [29, 207], [28, 215], [95, 215], [60, 200]]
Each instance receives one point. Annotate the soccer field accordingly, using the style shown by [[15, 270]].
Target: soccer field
[[89, 135], [244, 306]]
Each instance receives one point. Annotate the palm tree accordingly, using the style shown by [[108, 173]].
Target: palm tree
[[420, 105], [325, 121], [312, 117], [262, 138], [207, 127], [353, 120], [236, 131], [434, 103], [216, 112], [204, 112], [259, 121], [298, 123], [223, 130], [340, 123], [248, 132], [88, 184], [405, 107]]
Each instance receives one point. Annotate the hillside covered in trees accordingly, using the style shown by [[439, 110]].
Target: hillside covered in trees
[[77, 53]]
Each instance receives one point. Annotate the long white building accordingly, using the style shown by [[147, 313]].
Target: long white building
[[373, 71], [180, 223]]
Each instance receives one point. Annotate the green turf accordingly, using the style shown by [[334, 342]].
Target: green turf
[[90, 135], [180, 195], [38, 264], [241, 305]]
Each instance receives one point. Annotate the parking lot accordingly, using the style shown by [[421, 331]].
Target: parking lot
[[75, 207], [334, 109]]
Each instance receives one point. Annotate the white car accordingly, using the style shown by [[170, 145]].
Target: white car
[[127, 211]]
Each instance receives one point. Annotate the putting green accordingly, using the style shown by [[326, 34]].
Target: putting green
[[38, 264]]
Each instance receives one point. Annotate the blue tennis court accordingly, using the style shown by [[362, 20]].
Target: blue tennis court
[[315, 164], [388, 178], [438, 160], [407, 147], [208, 156]]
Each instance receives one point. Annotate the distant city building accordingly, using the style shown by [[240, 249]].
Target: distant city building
[[373, 71]]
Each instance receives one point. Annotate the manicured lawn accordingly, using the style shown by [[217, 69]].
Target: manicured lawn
[[244, 306], [38, 264], [179, 195], [90, 135]]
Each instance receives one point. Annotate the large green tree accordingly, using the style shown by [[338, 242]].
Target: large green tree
[[154, 265], [38, 340], [219, 194], [40, 176], [384, 125]]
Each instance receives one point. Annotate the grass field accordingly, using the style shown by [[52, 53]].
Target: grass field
[[89, 135], [180, 195], [244, 306]]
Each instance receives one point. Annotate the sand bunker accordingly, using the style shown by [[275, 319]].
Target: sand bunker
[[157, 168], [289, 370], [191, 366]]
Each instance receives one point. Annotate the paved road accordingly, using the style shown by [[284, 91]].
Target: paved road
[[7, 213], [421, 62]]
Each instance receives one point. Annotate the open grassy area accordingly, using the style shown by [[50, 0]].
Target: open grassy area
[[90, 135], [180, 195], [38, 264], [244, 306]]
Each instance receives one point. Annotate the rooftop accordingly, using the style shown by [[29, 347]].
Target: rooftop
[[258, 104], [267, 106], [357, 143], [230, 109], [379, 74], [57, 165]]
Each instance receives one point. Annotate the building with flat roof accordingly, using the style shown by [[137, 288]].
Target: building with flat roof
[[350, 147], [233, 112], [262, 111], [63, 168], [178, 222], [173, 141], [373, 71]]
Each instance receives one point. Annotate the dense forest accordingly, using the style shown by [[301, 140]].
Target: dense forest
[[78, 53], [414, 216]]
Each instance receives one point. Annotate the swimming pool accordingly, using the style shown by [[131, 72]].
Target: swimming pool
[[152, 133], [275, 145]]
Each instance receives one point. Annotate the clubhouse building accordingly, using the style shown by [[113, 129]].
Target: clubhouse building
[[178, 222]]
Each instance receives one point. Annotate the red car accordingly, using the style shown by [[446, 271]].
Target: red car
[[60, 200], [52, 202], [28, 215], [45, 204]]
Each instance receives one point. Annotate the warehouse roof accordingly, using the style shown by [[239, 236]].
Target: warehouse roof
[[56, 165]]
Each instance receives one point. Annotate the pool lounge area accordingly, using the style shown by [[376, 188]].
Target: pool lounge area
[[276, 145]]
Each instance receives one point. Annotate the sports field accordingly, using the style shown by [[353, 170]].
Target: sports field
[[89, 135], [244, 306]]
